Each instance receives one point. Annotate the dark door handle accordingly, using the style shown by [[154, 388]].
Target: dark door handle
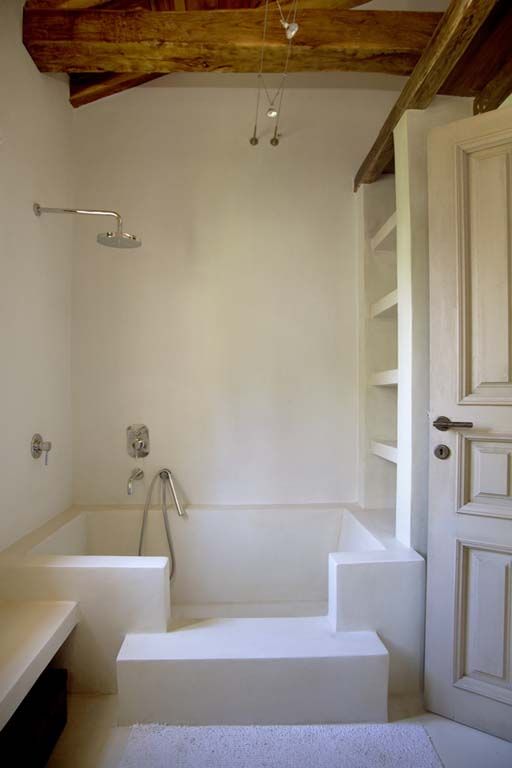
[[443, 424]]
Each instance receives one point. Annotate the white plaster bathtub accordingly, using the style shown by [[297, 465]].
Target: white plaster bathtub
[[230, 562]]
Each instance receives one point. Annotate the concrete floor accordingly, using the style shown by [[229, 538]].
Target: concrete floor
[[92, 740]]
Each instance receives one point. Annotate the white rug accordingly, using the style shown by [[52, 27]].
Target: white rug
[[310, 746]]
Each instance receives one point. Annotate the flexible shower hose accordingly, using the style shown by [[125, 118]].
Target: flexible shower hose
[[165, 516]]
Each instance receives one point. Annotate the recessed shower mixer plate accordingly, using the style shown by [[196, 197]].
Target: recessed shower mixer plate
[[137, 441]]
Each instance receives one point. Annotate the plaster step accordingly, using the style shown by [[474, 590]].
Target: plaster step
[[253, 671]]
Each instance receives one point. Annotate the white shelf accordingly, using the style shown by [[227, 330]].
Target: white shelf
[[385, 378], [386, 449], [32, 633], [385, 307], [385, 238]]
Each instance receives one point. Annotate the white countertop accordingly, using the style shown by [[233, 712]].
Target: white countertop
[[31, 633]]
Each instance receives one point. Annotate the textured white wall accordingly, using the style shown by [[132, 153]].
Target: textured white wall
[[35, 274], [232, 333]]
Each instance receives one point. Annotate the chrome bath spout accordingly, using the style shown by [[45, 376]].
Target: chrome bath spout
[[137, 474]]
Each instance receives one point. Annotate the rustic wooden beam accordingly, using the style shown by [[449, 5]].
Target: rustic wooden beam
[[150, 42], [496, 90], [325, 4], [452, 37], [84, 89], [63, 5], [193, 5], [485, 57]]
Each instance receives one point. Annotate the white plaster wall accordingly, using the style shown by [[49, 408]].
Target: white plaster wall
[[232, 332], [35, 267]]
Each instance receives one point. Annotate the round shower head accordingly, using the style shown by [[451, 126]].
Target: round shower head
[[118, 240]]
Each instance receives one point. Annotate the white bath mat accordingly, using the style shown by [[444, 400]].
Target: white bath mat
[[310, 746]]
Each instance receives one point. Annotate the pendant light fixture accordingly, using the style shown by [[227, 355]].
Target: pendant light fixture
[[275, 99]]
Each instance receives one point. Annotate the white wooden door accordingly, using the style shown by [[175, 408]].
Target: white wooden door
[[468, 669]]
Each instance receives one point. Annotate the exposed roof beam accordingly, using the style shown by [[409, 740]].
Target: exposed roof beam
[[496, 90], [149, 42], [64, 5], [486, 55], [335, 5], [181, 5], [84, 89], [456, 30]]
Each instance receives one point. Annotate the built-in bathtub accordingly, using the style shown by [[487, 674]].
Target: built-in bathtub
[[230, 562]]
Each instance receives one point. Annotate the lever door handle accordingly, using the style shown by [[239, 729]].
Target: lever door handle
[[443, 424]]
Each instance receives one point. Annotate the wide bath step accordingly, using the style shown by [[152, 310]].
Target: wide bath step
[[253, 672]]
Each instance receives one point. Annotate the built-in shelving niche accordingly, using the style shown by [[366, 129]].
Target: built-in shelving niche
[[382, 309], [385, 378], [386, 449], [385, 237], [380, 344], [385, 307]]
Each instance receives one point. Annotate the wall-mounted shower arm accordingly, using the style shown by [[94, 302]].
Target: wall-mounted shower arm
[[117, 239], [39, 209]]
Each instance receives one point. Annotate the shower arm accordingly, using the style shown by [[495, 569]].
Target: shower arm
[[38, 210]]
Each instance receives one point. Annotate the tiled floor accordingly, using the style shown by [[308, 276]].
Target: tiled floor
[[92, 740]]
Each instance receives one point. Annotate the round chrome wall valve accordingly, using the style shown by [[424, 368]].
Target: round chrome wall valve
[[38, 446]]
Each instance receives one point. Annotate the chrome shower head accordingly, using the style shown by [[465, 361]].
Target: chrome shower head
[[118, 240]]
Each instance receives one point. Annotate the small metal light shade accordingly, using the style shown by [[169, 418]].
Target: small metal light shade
[[291, 30]]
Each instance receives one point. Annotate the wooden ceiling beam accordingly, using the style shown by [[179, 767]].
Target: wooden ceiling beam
[[63, 5], [182, 5], [485, 57], [84, 89], [147, 42], [496, 90], [333, 5], [458, 27]]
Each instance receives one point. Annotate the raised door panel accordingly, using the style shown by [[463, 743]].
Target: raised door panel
[[483, 645], [484, 245], [485, 467]]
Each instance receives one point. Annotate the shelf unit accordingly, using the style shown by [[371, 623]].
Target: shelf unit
[[379, 345], [394, 369], [385, 307], [385, 237], [384, 240], [385, 378], [386, 449]]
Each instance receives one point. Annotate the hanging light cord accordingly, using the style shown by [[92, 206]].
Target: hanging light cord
[[254, 139], [293, 9], [278, 95]]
